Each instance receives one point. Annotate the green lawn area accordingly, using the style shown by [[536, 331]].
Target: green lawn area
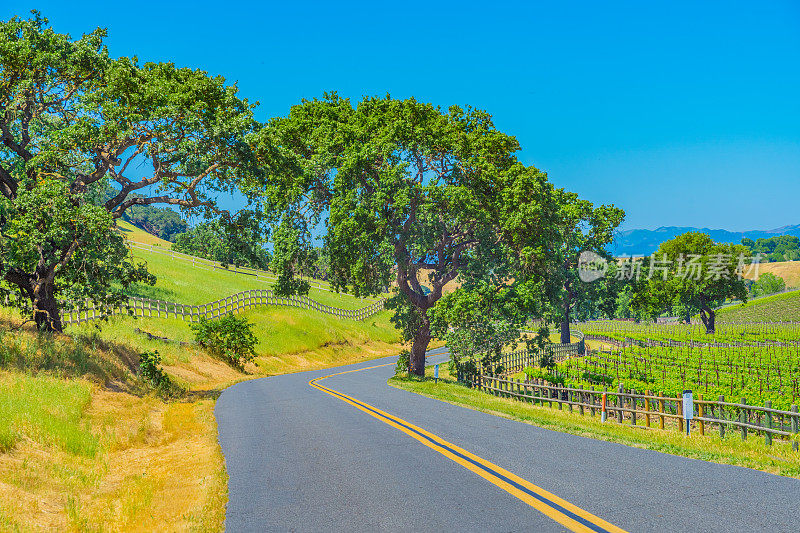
[[286, 336]]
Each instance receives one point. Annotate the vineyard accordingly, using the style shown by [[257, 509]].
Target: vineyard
[[677, 334], [757, 362]]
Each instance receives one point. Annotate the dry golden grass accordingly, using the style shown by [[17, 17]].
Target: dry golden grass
[[324, 357], [423, 278], [788, 270], [160, 468]]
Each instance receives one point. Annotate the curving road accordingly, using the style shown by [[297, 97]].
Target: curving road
[[305, 452]]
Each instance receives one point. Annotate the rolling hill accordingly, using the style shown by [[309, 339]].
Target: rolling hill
[[784, 307]]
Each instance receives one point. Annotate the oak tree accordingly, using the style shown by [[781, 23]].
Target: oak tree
[[691, 274], [72, 117], [415, 196]]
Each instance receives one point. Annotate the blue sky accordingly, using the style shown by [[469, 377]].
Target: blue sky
[[680, 113]]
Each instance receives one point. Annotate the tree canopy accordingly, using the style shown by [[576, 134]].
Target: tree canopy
[[415, 197], [767, 283], [582, 228], [73, 117], [772, 249], [691, 274], [238, 242]]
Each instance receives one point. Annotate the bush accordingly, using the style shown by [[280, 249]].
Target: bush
[[229, 337], [150, 369], [401, 369]]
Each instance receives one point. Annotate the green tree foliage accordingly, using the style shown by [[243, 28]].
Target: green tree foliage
[[417, 197], [691, 274], [73, 117], [238, 242], [583, 228], [162, 222], [229, 337], [53, 244], [767, 283], [774, 249], [159, 221]]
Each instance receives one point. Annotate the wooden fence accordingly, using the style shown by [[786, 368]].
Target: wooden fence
[[146, 307], [648, 409], [514, 362]]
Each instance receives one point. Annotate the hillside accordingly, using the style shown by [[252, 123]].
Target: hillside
[[788, 270], [86, 444], [182, 281], [289, 339], [133, 233], [783, 307]]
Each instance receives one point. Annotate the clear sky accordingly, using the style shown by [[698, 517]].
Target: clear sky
[[682, 113]]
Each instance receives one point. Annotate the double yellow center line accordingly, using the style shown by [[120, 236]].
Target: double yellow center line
[[560, 510]]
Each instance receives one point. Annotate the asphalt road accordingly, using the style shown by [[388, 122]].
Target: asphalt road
[[302, 459]]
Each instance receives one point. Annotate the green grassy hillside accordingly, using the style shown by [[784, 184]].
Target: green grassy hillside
[[180, 281], [86, 445], [777, 308]]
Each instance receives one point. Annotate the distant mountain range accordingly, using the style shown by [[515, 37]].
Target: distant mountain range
[[646, 241]]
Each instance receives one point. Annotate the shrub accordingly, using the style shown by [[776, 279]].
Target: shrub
[[150, 369], [401, 369], [229, 337]]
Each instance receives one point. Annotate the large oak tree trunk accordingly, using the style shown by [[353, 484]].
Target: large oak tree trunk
[[708, 316], [40, 289], [45, 307], [418, 348], [565, 333]]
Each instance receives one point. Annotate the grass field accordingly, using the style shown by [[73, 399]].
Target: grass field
[[85, 445], [180, 281]]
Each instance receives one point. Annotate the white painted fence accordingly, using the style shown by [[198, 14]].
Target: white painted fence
[[147, 307]]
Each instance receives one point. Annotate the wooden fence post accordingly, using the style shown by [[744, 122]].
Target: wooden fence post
[[679, 409], [794, 428], [591, 399], [647, 408], [661, 410], [633, 406], [768, 423], [743, 417], [618, 403], [721, 417], [700, 414]]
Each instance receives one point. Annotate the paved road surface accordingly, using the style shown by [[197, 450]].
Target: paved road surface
[[302, 459]]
